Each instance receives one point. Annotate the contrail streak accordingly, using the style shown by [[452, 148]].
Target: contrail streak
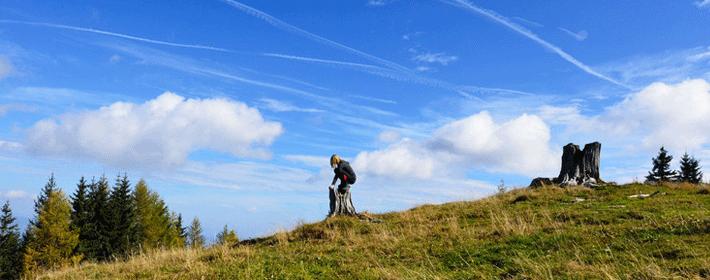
[[293, 29], [114, 34], [532, 36]]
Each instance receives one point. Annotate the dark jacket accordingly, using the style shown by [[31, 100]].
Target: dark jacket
[[345, 173]]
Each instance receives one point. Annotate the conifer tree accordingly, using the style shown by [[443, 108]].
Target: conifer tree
[[661, 171], [122, 217], [10, 254], [177, 234], [194, 235], [153, 221], [690, 170], [227, 237], [51, 240], [48, 188], [99, 229], [80, 215]]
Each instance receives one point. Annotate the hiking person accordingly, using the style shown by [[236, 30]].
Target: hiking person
[[340, 200], [342, 171]]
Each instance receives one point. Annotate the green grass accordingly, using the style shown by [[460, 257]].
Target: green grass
[[522, 234]]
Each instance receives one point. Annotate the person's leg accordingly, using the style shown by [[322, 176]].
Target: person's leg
[[343, 187]]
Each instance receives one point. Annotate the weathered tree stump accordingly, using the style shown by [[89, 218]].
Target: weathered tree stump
[[579, 167], [341, 203]]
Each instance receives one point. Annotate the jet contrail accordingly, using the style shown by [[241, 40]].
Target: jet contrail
[[114, 34], [324, 61], [293, 29], [532, 36]]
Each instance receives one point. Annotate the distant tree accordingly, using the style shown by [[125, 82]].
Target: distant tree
[[227, 237], [122, 213], [48, 188], [194, 235], [690, 170], [99, 229], [80, 215], [179, 233], [52, 240], [153, 221], [661, 171], [10, 250]]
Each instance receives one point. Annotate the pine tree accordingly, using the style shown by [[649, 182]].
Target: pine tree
[[227, 237], [99, 229], [690, 170], [10, 250], [194, 235], [80, 215], [122, 217], [51, 241], [661, 171]]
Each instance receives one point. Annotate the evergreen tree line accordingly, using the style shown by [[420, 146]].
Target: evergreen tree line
[[97, 223], [689, 171]]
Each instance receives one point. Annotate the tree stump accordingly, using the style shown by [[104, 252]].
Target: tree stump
[[341, 203], [579, 167]]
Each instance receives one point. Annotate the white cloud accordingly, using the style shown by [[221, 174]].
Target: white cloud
[[14, 194], [280, 106], [314, 161], [378, 3], [10, 146], [703, 3], [389, 136], [160, 132], [675, 115], [403, 159], [519, 146], [5, 68], [579, 36], [441, 58]]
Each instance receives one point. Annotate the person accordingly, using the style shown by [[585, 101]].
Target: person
[[343, 172]]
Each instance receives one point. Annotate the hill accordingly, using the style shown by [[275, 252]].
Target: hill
[[522, 234]]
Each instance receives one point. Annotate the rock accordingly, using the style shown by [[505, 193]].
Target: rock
[[541, 182], [341, 203]]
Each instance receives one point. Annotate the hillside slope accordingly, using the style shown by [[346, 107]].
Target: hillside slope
[[522, 234]]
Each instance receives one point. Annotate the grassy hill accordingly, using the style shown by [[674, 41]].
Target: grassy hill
[[523, 234]]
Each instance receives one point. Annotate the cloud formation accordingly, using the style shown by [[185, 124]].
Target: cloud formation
[[518, 146], [5, 68], [702, 4], [502, 20], [673, 115], [161, 132], [114, 34], [440, 58]]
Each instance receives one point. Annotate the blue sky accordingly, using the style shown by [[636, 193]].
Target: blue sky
[[230, 109]]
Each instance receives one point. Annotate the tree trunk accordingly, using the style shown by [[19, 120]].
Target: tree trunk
[[341, 203], [580, 167]]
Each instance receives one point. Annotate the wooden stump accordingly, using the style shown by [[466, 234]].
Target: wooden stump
[[579, 167], [341, 203]]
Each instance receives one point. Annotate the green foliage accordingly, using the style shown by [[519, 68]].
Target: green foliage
[[690, 170], [51, 241], [154, 227], [122, 217], [80, 215], [98, 240], [195, 239], [10, 250], [227, 237], [661, 171], [48, 188]]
